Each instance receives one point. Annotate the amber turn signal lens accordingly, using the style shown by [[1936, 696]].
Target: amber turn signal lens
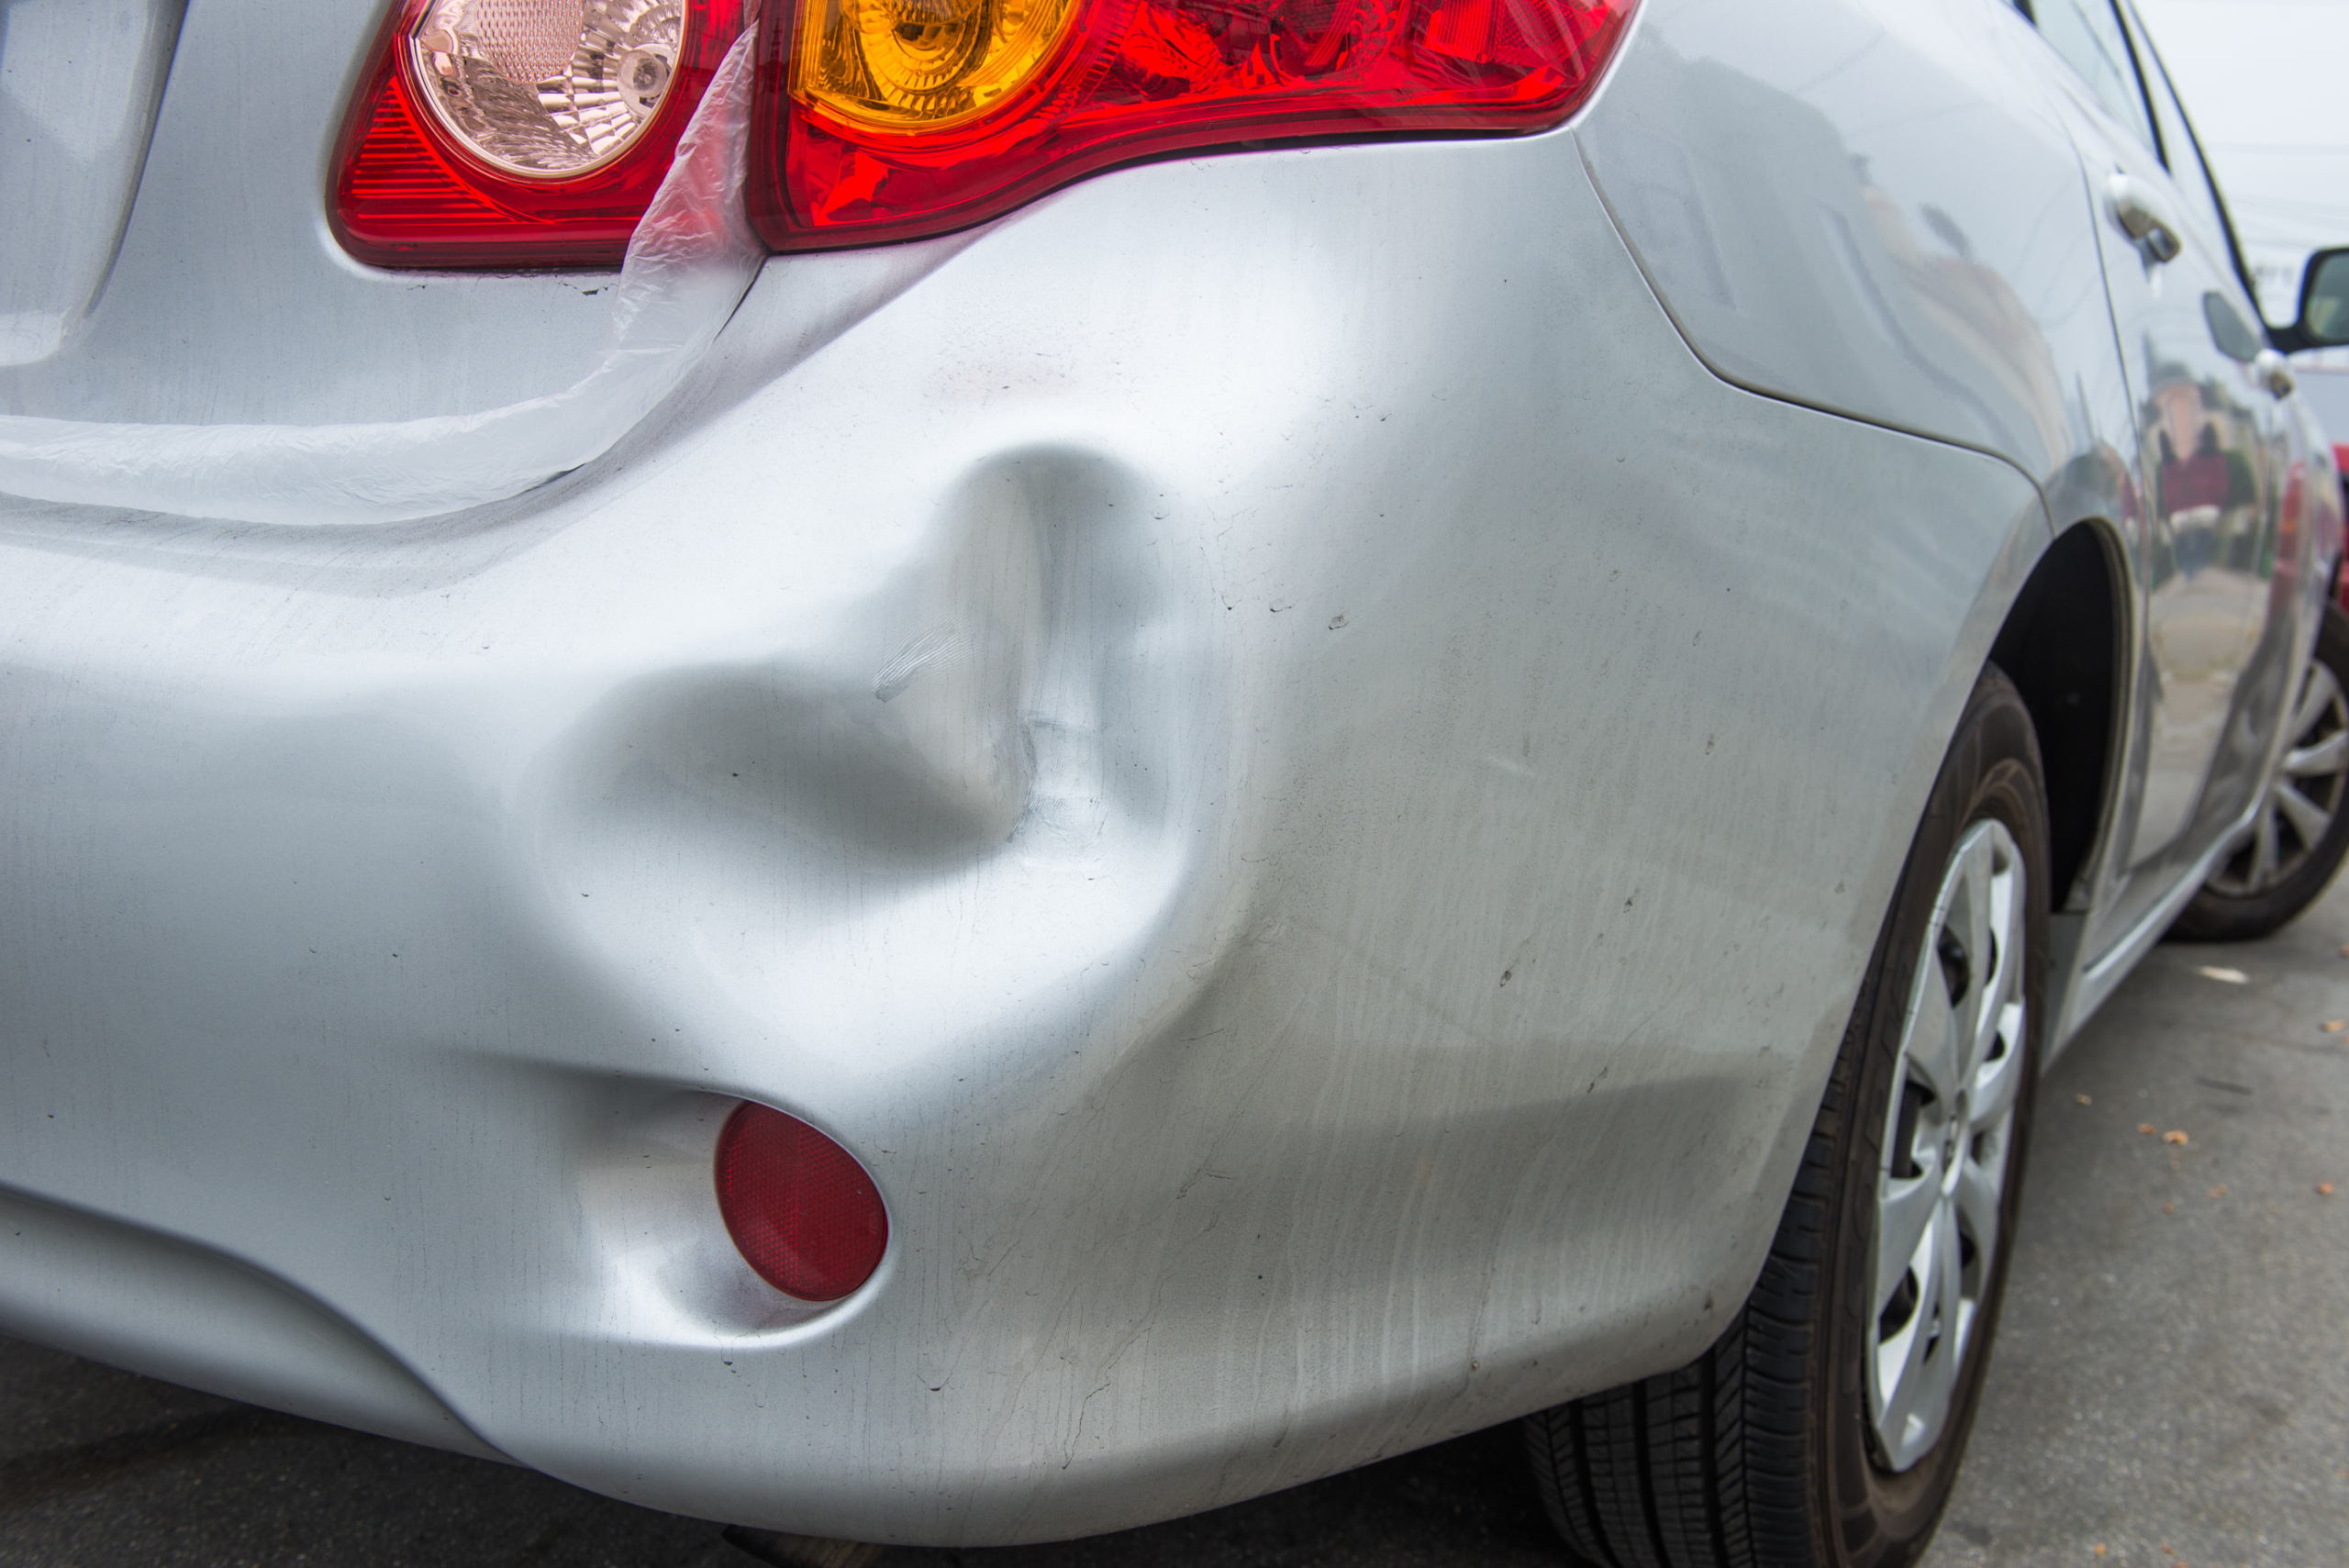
[[922, 64]]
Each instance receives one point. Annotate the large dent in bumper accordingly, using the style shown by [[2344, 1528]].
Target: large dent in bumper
[[1326, 937]]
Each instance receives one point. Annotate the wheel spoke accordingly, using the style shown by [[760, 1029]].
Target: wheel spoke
[[1951, 1280], [1900, 1401], [2319, 695], [1999, 1080], [2326, 758], [1999, 1011], [1949, 1268], [2308, 820], [1918, 1398], [1947, 1064], [2263, 845], [1905, 1385], [1905, 1214], [1934, 1045], [1980, 1184], [1983, 944]]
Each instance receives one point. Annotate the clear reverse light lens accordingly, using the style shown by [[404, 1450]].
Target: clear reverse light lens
[[547, 88]]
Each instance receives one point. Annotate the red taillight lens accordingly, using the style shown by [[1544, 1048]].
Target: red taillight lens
[[801, 1208], [534, 133], [887, 119], [520, 133]]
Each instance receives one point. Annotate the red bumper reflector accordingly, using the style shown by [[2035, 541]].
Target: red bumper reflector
[[801, 1210]]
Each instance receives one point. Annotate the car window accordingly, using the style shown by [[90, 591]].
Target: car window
[[2087, 33], [2327, 393], [2183, 153]]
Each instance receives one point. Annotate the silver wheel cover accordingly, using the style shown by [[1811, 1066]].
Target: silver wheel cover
[[2303, 796], [1948, 1141]]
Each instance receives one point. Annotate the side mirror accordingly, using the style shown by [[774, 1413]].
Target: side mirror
[[2324, 301]]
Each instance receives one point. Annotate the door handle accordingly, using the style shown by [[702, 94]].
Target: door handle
[[2143, 216], [2274, 374]]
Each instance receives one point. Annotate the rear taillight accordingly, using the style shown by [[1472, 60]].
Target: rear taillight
[[887, 119], [520, 133], [533, 133], [802, 1211]]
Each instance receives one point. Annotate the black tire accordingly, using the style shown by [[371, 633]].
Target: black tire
[[1765, 1452], [2236, 905]]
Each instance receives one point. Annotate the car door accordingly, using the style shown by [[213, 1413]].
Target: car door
[[2300, 527], [2205, 427]]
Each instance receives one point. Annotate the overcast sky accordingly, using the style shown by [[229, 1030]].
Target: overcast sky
[[2263, 83]]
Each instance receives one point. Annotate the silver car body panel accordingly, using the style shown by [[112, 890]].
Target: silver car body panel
[[1876, 211], [186, 1312], [1897, 212], [229, 302], [1306, 786], [79, 81]]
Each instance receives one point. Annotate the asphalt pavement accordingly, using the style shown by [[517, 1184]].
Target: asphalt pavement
[[2171, 1387]]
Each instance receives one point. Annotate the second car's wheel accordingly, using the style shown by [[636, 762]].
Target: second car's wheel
[[1825, 1427], [2302, 829]]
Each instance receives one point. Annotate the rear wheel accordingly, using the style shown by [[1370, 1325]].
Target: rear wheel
[[2302, 829], [1826, 1425]]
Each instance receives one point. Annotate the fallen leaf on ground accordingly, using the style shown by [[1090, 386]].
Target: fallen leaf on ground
[[2324, 1189], [2100, 1549], [2079, 1099], [2169, 1208], [2334, 1026], [2218, 1190], [2144, 1127], [2175, 1135], [2231, 976]]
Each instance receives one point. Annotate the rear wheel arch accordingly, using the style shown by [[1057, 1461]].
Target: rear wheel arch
[[2062, 646]]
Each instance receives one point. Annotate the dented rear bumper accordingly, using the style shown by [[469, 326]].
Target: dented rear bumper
[[1093, 728]]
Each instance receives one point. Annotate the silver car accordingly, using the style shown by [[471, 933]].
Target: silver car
[[965, 771]]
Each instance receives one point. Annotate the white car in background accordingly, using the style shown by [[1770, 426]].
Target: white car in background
[[965, 771]]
